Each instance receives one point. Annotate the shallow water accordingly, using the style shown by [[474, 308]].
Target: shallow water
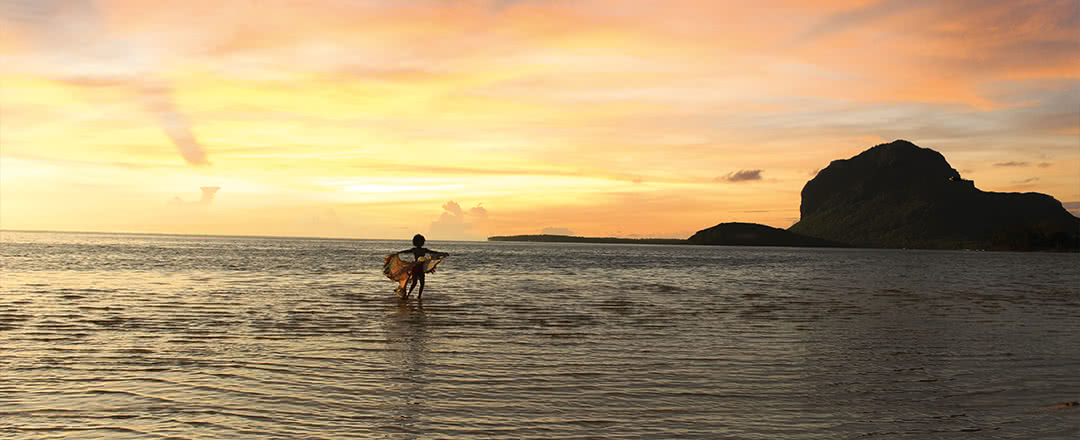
[[139, 336]]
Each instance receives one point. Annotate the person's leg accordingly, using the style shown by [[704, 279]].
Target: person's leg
[[420, 294], [417, 274]]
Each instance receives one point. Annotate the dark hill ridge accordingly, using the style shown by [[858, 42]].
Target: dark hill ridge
[[901, 195], [724, 234], [552, 238], [753, 234], [895, 195]]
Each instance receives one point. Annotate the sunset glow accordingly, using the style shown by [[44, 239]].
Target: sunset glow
[[380, 119]]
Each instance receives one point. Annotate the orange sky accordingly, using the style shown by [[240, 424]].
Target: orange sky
[[463, 119]]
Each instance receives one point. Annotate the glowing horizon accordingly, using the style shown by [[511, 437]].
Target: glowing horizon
[[460, 120]]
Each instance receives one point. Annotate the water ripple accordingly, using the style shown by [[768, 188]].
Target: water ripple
[[128, 336]]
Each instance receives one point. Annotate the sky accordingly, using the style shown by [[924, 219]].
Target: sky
[[464, 119]]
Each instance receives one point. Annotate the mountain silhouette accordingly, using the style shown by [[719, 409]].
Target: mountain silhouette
[[901, 195], [753, 234]]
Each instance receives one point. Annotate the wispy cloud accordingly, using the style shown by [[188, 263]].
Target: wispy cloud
[[859, 16], [206, 199], [1072, 207], [740, 176], [456, 223], [73, 163], [1012, 164], [75, 46], [160, 104]]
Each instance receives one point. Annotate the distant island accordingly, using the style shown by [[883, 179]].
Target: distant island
[[552, 238], [894, 195], [724, 234], [753, 234]]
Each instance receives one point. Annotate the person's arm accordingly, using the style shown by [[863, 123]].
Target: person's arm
[[436, 253]]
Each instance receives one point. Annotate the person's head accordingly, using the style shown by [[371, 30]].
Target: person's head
[[418, 240]]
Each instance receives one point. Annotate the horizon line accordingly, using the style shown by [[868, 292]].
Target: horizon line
[[485, 240], [181, 234]]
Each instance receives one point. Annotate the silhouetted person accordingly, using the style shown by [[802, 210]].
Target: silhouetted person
[[419, 252]]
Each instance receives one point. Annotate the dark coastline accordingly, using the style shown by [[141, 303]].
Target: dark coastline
[[724, 234], [549, 238]]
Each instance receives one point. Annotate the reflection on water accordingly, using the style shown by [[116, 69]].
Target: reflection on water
[[407, 349], [131, 336]]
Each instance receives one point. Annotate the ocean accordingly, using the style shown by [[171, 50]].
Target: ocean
[[161, 336]]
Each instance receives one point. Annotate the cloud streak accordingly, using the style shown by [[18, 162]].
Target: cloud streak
[[855, 17], [740, 176], [1072, 207], [160, 104], [73, 37]]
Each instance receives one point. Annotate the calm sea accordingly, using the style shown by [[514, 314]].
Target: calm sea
[[154, 336]]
